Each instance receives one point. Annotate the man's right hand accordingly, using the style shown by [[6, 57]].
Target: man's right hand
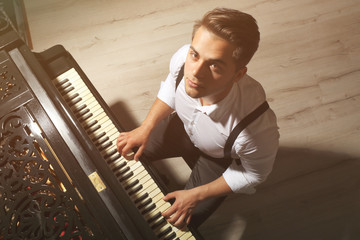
[[127, 141], [139, 137]]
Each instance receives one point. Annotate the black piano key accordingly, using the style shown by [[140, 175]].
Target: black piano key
[[93, 129], [75, 101], [112, 158], [112, 152], [148, 209], [105, 146], [86, 116], [159, 223], [66, 91], [121, 172], [144, 204], [61, 82], [153, 218], [82, 111], [64, 86], [171, 236], [138, 188], [101, 141], [141, 198], [132, 184], [127, 176], [72, 97], [97, 137], [90, 124], [121, 165], [165, 232], [78, 109]]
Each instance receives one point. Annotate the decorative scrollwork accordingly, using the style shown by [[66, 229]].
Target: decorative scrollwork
[[10, 84], [34, 204]]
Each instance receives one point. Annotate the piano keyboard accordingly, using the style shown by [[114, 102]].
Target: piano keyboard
[[132, 175]]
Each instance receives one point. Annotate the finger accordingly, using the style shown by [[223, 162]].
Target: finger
[[183, 227], [139, 153], [120, 145], [167, 214], [123, 148], [129, 156], [179, 221], [188, 220], [121, 137], [169, 196], [127, 151], [174, 219]]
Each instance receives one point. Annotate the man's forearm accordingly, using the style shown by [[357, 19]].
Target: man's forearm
[[158, 112], [216, 188]]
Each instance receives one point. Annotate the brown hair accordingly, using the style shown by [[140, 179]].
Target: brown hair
[[236, 27]]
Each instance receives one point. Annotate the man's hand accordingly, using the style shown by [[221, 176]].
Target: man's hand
[[179, 214], [126, 141], [139, 137]]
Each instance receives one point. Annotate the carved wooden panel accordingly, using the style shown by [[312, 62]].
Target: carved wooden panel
[[35, 201]]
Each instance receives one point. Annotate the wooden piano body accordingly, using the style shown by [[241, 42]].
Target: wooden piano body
[[60, 174]]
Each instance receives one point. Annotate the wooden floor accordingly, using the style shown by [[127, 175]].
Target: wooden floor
[[308, 63]]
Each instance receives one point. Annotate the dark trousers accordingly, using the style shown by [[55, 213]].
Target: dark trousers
[[168, 140]]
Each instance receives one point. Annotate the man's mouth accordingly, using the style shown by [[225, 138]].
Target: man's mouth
[[192, 84]]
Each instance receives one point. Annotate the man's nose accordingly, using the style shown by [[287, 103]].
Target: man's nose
[[199, 69]]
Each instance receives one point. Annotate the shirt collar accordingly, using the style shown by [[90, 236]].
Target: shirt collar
[[218, 110]]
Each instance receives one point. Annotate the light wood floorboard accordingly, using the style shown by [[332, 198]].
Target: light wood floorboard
[[308, 63]]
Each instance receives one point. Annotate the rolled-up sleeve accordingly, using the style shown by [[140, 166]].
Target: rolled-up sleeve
[[257, 150], [167, 92], [167, 87]]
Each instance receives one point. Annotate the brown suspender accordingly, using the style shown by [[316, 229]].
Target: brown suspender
[[239, 127]]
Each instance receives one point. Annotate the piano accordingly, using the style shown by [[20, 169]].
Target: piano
[[60, 174]]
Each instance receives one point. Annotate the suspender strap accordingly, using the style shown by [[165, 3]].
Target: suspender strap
[[241, 126], [179, 76]]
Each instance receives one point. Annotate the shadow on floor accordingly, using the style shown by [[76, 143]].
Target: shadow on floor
[[309, 195], [122, 113]]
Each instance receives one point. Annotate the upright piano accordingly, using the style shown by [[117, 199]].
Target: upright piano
[[60, 174]]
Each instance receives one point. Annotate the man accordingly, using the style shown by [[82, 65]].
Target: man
[[214, 95]]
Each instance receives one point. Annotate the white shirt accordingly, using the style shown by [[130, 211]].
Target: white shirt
[[209, 126]]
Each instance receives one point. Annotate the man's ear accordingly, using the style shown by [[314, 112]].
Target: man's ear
[[241, 72]]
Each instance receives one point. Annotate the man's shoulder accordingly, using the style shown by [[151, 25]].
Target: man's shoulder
[[249, 81], [178, 59], [251, 88]]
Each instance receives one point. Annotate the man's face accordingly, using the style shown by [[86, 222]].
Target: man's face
[[210, 69]]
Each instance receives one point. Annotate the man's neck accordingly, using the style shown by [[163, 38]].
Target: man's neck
[[210, 100]]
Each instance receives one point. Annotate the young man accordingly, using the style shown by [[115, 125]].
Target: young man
[[214, 95]]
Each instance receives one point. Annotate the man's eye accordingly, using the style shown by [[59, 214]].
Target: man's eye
[[193, 54], [214, 66]]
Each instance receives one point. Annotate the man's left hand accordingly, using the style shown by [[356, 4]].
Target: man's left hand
[[179, 214]]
